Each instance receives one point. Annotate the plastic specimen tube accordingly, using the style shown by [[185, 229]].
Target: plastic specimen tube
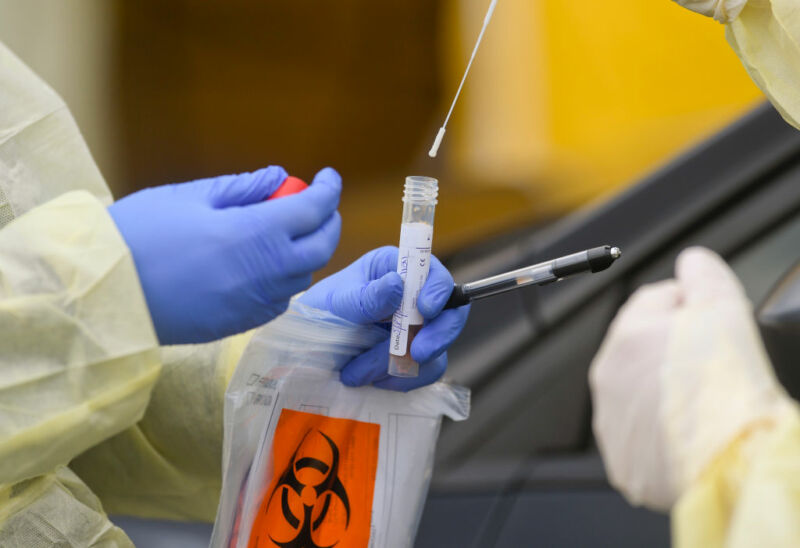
[[413, 264]]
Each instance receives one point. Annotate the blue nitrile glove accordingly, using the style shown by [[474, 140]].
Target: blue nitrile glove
[[369, 291], [215, 259]]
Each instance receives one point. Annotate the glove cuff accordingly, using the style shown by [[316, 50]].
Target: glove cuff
[[694, 444]]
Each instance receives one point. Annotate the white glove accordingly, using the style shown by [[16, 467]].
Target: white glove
[[682, 372], [723, 11]]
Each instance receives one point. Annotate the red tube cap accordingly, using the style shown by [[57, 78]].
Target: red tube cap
[[292, 185]]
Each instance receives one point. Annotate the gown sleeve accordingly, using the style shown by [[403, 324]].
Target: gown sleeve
[[750, 494], [78, 352]]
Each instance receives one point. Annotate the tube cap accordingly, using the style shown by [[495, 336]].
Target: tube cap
[[292, 185]]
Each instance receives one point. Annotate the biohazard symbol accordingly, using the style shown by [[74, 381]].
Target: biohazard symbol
[[319, 483], [330, 486]]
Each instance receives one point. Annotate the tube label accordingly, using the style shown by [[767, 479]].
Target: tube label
[[413, 264]]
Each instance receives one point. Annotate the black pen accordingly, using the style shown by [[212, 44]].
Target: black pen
[[589, 260]]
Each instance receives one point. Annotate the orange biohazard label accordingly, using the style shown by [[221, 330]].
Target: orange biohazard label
[[322, 482]]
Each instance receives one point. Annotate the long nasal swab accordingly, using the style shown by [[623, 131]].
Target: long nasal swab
[[439, 136]]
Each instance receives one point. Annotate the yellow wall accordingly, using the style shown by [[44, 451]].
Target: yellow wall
[[569, 99]]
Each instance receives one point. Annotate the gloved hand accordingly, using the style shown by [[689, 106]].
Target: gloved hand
[[369, 291], [681, 374], [723, 11], [215, 259]]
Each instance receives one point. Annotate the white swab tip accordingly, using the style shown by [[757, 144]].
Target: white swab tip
[[436, 142]]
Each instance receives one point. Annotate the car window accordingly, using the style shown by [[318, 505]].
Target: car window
[[763, 263]]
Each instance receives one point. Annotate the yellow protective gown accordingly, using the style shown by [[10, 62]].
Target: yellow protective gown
[[766, 37], [169, 465], [750, 494], [79, 358]]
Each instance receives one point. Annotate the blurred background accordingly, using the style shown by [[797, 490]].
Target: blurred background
[[567, 101]]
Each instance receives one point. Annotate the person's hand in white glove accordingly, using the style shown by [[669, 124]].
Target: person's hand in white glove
[[723, 11], [681, 374]]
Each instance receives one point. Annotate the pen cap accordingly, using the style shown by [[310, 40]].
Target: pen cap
[[594, 260], [291, 185], [601, 257]]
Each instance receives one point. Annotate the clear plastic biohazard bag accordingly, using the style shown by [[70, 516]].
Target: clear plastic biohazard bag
[[311, 462]]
